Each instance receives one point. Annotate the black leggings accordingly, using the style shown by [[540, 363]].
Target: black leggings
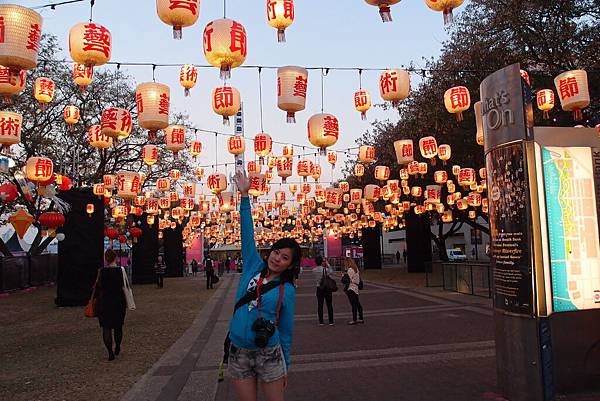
[[355, 303], [107, 337], [324, 295]]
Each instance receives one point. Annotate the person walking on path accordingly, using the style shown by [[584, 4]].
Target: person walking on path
[[261, 355], [228, 264], [209, 271], [323, 294], [397, 257], [194, 267], [160, 268], [110, 303], [352, 290], [404, 255]]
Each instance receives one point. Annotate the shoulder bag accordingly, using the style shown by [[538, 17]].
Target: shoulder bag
[[127, 291], [90, 308], [327, 283]]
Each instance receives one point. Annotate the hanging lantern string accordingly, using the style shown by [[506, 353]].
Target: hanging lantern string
[[92, 10], [224, 8], [414, 70], [322, 89], [153, 69], [277, 142], [360, 79], [216, 146], [53, 6], [260, 98]]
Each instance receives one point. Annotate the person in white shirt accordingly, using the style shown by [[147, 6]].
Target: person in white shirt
[[323, 294], [352, 290]]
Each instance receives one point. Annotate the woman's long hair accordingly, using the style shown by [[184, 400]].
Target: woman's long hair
[[351, 264], [110, 256], [288, 274]]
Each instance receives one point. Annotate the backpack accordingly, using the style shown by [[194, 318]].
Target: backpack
[[360, 284]]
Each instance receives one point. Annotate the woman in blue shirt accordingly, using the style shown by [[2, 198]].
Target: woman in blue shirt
[[261, 330]]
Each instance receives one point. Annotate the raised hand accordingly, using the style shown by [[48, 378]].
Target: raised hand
[[242, 182]]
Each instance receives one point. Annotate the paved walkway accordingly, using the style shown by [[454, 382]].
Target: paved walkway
[[415, 345]]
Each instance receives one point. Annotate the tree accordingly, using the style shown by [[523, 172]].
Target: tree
[[546, 38], [45, 133]]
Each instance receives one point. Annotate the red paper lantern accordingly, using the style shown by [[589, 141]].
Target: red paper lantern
[[135, 233], [8, 192], [52, 220]]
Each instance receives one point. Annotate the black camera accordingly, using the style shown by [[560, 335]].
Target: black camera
[[264, 331]]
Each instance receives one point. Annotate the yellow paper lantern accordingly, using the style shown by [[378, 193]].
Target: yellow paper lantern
[[372, 192], [109, 181], [359, 170], [163, 184], [545, 101], [153, 102], [440, 177], [174, 174], [333, 198], [315, 171], [116, 123], [225, 45], [82, 76], [444, 152], [384, 8], [129, 184], [39, 169], [188, 75], [280, 15], [263, 144], [178, 14], [236, 145], [71, 115], [304, 168], [292, 85], [362, 102], [446, 6], [394, 86], [90, 44], [216, 183], [284, 168], [175, 138], [366, 153], [382, 173], [457, 100], [429, 148], [97, 139], [467, 177], [323, 131], [150, 154], [10, 128], [21, 31], [258, 184], [226, 102], [10, 84], [43, 91], [573, 92], [433, 193]]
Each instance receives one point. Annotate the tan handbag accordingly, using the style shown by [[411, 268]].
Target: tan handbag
[[90, 308]]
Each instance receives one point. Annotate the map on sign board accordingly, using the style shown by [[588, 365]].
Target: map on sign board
[[572, 228]]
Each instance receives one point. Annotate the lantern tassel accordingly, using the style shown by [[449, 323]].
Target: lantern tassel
[[546, 115], [186, 92], [363, 115], [577, 114], [386, 14], [459, 116], [42, 106], [152, 135], [82, 88], [448, 18], [226, 120], [225, 71], [8, 99], [177, 34], [281, 35], [291, 117]]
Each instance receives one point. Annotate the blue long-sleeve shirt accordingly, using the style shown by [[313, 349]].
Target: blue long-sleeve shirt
[[240, 327]]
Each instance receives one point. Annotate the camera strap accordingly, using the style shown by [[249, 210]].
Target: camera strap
[[251, 295], [258, 291]]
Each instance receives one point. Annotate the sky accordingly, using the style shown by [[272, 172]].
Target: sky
[[325, 33]]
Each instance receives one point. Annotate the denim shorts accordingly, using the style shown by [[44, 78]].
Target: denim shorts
[[266, 364]]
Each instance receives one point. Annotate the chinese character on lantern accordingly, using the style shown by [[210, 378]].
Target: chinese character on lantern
[[280, 15], [188, 75], [457, 100], [96, 38]]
